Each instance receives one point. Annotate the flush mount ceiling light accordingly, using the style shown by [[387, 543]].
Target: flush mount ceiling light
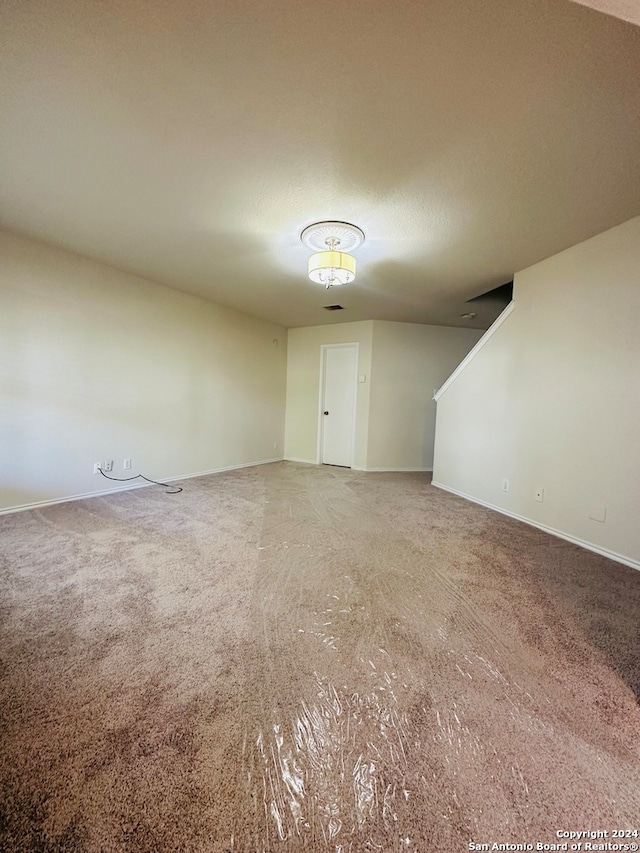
[[332, 241]]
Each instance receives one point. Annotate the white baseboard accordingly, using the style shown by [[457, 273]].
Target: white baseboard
[[603, 552], [129, 486], [396, 470], [366, 470]]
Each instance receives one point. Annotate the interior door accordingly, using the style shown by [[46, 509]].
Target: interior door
[[338, 404]]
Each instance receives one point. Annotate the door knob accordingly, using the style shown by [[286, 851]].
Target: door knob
[[325, 413]]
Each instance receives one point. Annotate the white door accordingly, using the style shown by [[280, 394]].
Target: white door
[[337, 417]]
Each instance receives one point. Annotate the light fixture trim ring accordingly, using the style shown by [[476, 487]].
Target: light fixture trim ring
[[346, 235]]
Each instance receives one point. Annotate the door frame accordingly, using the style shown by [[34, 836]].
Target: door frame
[[323, 350]]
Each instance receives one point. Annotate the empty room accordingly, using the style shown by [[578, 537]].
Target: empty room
[[319, 426]]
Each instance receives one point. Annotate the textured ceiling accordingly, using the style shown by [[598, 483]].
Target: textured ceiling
[[191, 142]]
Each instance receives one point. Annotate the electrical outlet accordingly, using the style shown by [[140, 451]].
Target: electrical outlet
[[107, 465], [96, 467], [538, 495], [275, 445], [505, 485], [127, 464]]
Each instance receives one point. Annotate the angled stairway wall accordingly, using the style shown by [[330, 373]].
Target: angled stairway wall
[[550, 399]]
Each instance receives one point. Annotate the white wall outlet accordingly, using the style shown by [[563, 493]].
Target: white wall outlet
[[505, 485], [362, 377], [598, 513], [126, 464], [538, 495], [96, 467], [275, 445], [107, 465]]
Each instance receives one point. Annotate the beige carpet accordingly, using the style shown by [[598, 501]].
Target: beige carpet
[[290, 658]]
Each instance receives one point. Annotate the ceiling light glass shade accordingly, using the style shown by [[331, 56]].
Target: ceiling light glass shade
[[331, 268]]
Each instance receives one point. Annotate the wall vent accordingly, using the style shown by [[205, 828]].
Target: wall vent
[[333, 308]]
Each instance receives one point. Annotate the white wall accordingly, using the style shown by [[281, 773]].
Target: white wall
[[395, 415], [553, 399], [303, 387], [96, 364], [408, 362]]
